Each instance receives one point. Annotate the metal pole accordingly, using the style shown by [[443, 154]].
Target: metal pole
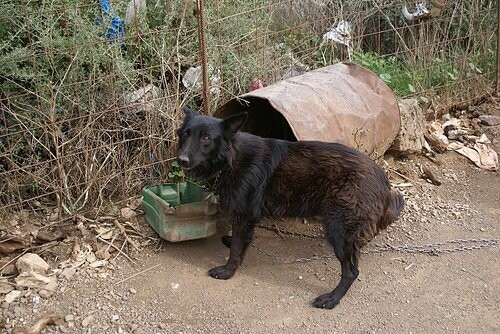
[[498, 48], [202, 44]]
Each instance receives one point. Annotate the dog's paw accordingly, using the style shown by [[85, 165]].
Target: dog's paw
[[326, 301], [221, 272], [226, 240]]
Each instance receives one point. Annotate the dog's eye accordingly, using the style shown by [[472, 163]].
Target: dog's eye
[[205, 138]]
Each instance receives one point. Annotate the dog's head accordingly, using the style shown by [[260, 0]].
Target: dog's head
[[204, 142]]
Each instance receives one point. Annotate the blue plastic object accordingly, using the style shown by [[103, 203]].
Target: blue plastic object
[[116, 28]]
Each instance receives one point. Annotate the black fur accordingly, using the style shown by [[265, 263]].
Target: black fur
[[258, 177]]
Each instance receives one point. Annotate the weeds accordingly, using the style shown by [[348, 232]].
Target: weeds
[[84, 118]]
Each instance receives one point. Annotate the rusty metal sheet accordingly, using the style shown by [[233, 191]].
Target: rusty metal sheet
[[342, 103]]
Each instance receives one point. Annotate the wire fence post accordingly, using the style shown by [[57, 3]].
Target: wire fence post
[[202, 44], [498, 49]]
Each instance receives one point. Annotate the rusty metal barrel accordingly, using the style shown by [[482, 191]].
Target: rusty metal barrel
[[342, 103]]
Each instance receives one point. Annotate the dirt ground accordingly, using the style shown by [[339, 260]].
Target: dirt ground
[[412, 290]]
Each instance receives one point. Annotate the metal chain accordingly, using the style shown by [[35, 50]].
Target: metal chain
[[438, 247], [434, 249], [282, 232]]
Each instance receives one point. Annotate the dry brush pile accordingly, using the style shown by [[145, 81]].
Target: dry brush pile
[[90, 96]]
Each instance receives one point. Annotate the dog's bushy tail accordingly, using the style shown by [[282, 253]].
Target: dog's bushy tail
[[396, 203]]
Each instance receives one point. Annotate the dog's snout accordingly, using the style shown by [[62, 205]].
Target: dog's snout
[[183, 161]]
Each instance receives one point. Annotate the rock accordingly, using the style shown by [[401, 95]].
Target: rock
[[9, 269], [429, 174], [87, 320], [411, 135], [69, 318], [33, 279], [46, 293], [128, 213], [5, 288], [489, 120], [475, 114], [67, 273], [52, 286], [12, 243], [11, 296], [31, 262], [438, 142], [132, 291], [45, 236]]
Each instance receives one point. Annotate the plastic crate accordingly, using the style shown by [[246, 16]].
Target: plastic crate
[[180, 211]]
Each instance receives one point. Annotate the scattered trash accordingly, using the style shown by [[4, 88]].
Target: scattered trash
[[340, 34], [192, 79], [143, 95], [174, 286], [420, 12], [134, 7], [455, 145], [255, 84], [115, 31], [482, 156], [459, 135]]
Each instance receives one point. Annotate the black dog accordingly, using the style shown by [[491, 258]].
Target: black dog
[[257, 177]]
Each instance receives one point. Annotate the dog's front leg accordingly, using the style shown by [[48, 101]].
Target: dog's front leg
[[240, 239]]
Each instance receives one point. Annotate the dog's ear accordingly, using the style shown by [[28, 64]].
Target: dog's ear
[[234, 122], [189, 112]]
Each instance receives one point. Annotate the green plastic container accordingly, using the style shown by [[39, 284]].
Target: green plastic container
[[180, 211]]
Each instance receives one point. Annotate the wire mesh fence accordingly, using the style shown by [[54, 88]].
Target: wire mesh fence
[[91, 92]]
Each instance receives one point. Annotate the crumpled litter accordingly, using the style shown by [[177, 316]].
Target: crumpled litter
[[192, 79], [482, 156], [478, 151]]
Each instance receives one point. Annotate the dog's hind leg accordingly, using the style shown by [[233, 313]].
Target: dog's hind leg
[[238, 244], [348, 256], [226, 240]]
